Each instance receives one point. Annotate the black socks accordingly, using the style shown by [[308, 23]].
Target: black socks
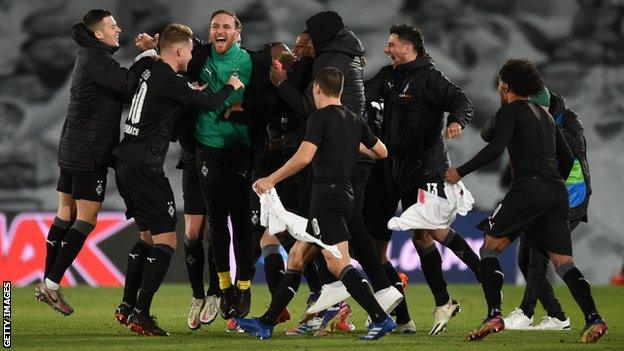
[[492, 282], [156, 266], [362, 292], [194, 259], [53, 242], [284, 292], [402, 314], [463, 251], [431, 265], [273, 266], [579, 288], [70, 246], [134, 271]]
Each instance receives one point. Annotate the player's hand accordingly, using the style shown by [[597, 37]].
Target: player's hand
[[277, 76], [453, 131], [235, 82], [198, 86], [452, 176], [263, 185], [146, 42]]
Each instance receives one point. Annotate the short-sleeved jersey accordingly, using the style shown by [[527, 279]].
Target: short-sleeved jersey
[[337, 133]]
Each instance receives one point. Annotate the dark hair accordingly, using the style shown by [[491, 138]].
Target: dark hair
[[174, 33], [94, 17], [521, 76], [331, 80], [237, 23], [411, 34]]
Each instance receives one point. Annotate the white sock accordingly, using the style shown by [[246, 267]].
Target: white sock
[[51, 285]]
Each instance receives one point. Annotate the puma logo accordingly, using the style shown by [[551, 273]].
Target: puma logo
[[52, 243], [151, 259], [133, 256], [63, 243]]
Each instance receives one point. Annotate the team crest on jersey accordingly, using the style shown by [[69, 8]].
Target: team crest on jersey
[[204, 170], [171, 210], [99, 188], [254, 218]]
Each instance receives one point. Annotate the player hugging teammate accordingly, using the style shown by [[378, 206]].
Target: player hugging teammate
[[260, 117]]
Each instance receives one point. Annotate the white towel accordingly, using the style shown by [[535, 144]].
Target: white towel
[[276, 218], [434, 212]]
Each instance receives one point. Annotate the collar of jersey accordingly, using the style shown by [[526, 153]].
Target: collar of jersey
[[232, 52]]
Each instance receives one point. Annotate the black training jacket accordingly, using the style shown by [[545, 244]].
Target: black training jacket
[[99, 86], [414, 120], [344, 52]]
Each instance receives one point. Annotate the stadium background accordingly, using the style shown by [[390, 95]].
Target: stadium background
[[576, 43]]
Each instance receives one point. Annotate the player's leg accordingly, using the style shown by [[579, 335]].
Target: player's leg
[[361, 242], [65, 217], [214, 184], [539, 288], [273, 262], [595, 326], [522, 317], [492, 279], [262, 327], [88, 190], [360, 290], [448, 236], [156, 267], [134, 274], [194, 259], [552, 232], [456, 242], [242, 235], [431, 265], [86, 218]]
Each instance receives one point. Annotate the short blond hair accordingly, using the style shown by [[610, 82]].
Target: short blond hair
[[173, 34]]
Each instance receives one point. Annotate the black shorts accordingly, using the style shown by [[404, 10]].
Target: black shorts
[[329, 210], [191, 190], [431, 182], [148, 197], [379, 207], [537, 207], [90, 185]]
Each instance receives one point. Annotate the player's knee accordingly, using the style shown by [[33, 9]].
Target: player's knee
[[146, 236], [295, 263], [65, 213], [560, 260], [268, 239], [335, 266], [487, 252], [192, 234]]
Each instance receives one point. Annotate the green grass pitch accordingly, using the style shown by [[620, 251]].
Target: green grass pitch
[[91, 327]]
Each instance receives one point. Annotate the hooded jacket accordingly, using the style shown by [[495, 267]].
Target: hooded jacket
[[335, 46], [578, 182], [98, 88], [414, 121]]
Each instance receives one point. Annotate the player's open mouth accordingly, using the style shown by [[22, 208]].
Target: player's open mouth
[[221, 40]]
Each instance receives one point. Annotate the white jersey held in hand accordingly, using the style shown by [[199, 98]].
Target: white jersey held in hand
[[434, 212], [276, 218]]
